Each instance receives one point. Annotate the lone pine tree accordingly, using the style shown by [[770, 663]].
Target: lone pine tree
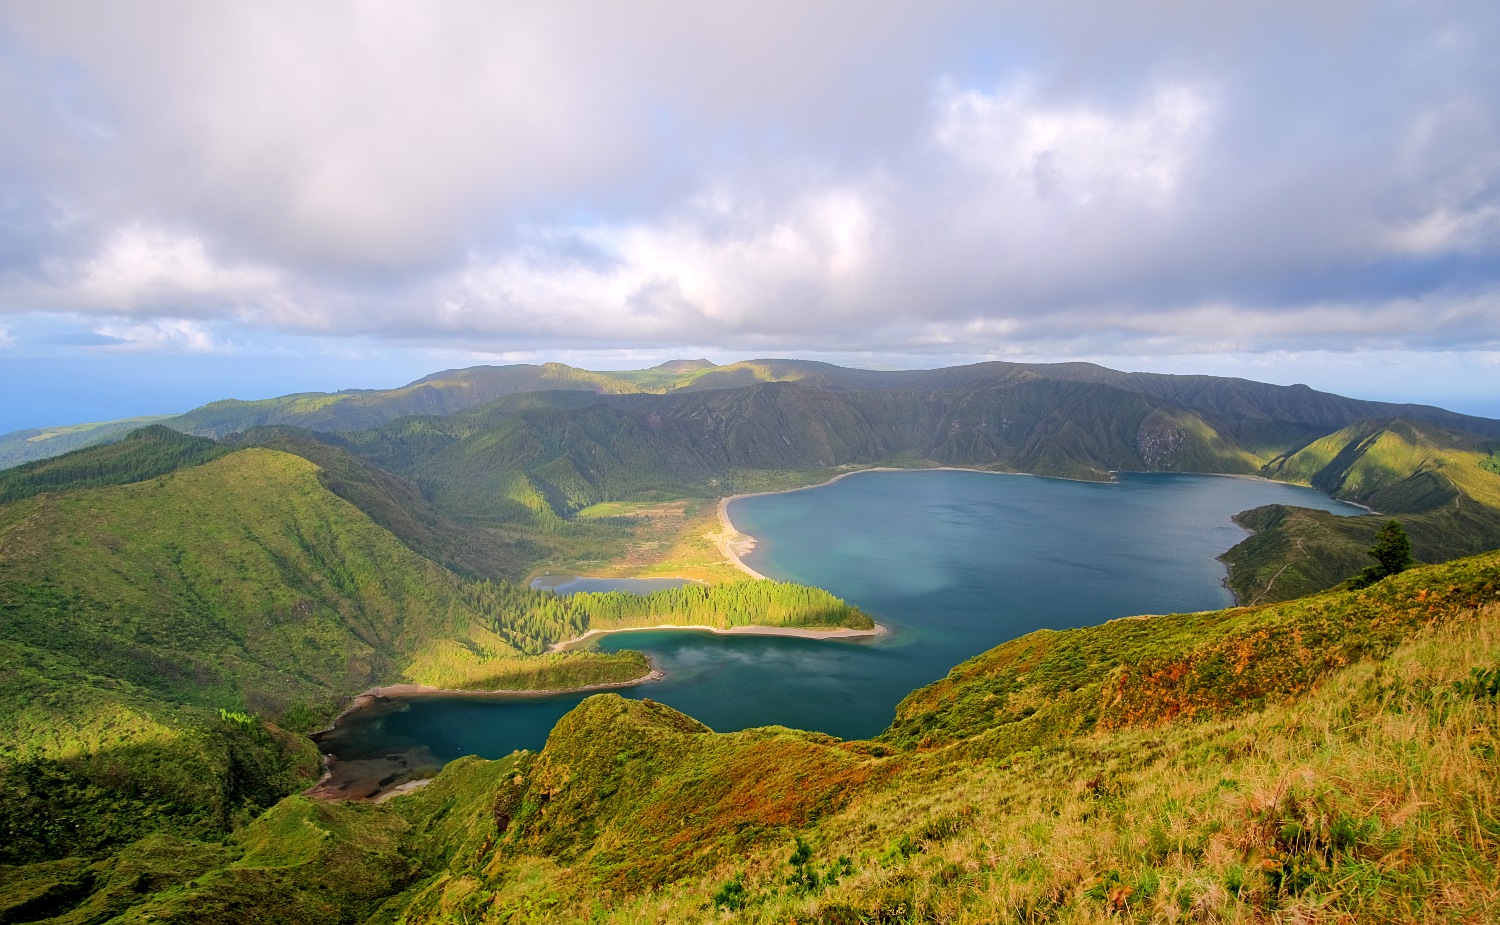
[[1391, 552]]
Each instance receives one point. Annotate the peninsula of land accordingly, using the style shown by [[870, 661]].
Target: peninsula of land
[[800, 632]]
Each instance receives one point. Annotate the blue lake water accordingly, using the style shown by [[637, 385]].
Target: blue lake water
[[953, 563]]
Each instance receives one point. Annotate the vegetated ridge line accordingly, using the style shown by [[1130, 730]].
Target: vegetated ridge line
[[1267, 589]]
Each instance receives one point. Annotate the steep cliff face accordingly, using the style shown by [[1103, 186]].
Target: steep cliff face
[[566, 455]]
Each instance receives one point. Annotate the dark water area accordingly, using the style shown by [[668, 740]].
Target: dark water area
[[572, 584], [953, 563]]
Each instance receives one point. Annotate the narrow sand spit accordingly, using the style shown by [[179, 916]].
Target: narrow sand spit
[[839, 632]]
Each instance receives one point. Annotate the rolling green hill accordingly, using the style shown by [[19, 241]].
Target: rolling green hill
[[239, 583], [396, 505], [1431, 479], [23, 446], [174, 611], [1329, 758], [1265, 419]]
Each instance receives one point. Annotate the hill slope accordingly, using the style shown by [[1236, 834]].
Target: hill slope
[[23, 446], [1433, 480], [1331, 758], [242, 582], [1265, 419], [545, 456]]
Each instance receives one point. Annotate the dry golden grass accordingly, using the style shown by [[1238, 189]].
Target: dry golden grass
[[1372, 799]]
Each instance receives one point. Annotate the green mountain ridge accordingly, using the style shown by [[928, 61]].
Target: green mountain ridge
[[175, 610], [574, 452], [1429, 478], [1257, 415]]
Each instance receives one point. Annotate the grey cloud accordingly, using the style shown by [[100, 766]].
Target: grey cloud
[[1083, 176]]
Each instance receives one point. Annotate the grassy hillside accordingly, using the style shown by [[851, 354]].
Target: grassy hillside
[[396, 505], [240, 583], [1431, 479], [23, 446], [142, 454], [1330, 759], [158, 637]]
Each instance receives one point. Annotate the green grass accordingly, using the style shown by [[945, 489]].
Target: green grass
[[141, 455], [24, 446], [1429, 478], [1328, 759], [164, 642]]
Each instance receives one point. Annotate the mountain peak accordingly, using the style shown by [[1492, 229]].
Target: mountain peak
[[684, 366]]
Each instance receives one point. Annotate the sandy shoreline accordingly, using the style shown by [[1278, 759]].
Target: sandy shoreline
[[840, 632], [733, 544]]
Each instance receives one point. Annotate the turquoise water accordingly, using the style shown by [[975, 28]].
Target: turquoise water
[[953, 563]]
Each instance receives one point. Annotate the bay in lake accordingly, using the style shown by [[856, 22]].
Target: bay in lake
[[952, 562]]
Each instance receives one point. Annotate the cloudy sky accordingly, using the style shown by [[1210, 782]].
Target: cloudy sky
[[200, 200]]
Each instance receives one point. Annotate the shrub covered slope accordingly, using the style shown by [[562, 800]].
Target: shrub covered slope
[[159, 638], [1331, 758]]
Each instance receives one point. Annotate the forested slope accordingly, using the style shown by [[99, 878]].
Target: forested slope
[[1265, 419], [547, 456], [157, 637]]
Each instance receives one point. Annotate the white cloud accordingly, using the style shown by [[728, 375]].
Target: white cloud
[[7, 339], [162, 335], [472, 175], [683, 277], [1074, 155], [1446, 230], [144, 268]]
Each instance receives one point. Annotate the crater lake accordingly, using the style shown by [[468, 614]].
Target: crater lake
[[951, 562]]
